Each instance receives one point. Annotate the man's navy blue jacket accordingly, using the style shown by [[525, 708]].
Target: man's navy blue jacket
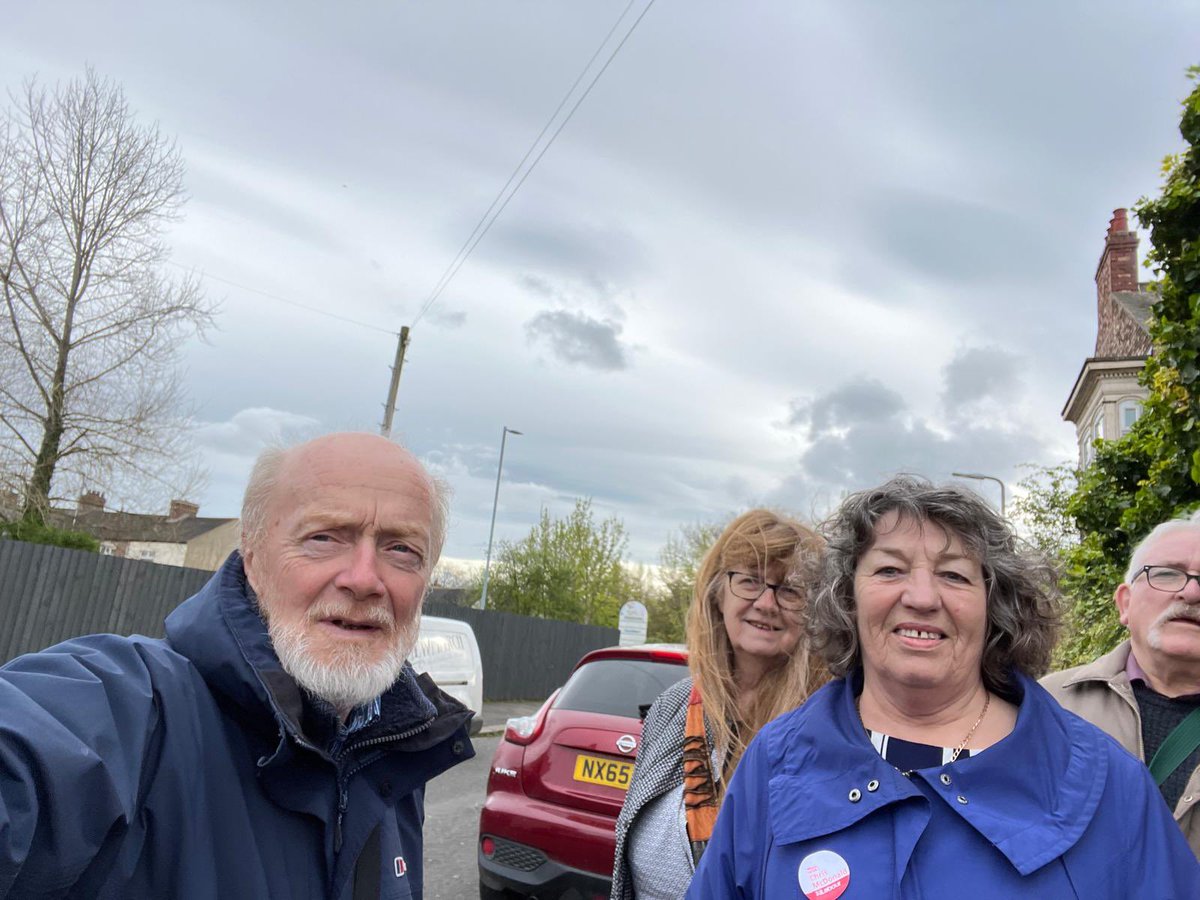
[[192, 768]]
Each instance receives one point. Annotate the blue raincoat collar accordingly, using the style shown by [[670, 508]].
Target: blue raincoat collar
[[1032, 795]]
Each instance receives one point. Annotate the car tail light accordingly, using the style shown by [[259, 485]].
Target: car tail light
[[525, 729], [488, 846]]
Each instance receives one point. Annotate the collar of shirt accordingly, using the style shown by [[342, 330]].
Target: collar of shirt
[[1134, 671], [359, 719]]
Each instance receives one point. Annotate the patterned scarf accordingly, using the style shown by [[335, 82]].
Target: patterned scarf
[[699, 788]]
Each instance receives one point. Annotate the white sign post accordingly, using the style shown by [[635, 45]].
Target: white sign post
[[632, 623]]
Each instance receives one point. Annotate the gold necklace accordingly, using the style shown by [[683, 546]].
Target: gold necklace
[[957, 750]]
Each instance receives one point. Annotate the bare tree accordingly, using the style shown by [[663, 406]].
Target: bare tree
[[90, 327]]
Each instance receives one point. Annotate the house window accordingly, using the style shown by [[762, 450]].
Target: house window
[[1098, 426], [1130, 412]]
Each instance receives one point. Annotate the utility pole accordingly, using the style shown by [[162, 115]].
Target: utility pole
[[390, 410]]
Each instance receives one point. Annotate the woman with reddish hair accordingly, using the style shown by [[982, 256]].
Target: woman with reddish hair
[[749, 662]]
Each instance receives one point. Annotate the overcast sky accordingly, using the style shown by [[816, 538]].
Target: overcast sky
[[782, 250]]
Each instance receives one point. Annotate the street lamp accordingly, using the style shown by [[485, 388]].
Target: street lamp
[[487, 566], [977, 477]]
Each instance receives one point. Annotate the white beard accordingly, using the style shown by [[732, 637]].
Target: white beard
[[345, 676]]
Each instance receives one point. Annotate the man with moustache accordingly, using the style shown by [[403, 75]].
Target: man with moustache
[[1143, 692], [275, 744]]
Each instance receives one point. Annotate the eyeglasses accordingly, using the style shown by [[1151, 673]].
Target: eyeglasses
[[751, 587], [1166, 578]]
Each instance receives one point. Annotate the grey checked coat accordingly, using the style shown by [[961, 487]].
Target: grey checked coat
[[659, 769]]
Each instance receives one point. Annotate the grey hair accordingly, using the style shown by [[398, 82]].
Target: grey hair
[[440, 493], [264, 478], [1186, 522], [1023, 608]]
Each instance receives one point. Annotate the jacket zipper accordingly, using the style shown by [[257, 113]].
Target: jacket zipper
[[343, 799], [344, 780]]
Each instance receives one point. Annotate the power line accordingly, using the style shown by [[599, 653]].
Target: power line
[[484, 225], [441, 282], [295, 303]]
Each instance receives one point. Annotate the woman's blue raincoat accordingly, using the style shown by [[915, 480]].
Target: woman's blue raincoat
[[1057, 809]]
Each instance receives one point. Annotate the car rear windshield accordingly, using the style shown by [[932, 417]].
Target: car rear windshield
[[618, 687]]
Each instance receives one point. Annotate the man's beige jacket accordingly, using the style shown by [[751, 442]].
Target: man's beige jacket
[[1100, 692]]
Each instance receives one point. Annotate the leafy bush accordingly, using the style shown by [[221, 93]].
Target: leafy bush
[[34, 533]]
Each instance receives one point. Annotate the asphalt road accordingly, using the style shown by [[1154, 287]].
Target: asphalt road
[[452, 804]]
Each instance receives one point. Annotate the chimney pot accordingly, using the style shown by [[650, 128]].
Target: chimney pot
[[1119, 221]]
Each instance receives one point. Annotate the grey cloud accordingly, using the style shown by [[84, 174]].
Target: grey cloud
[[579, 339], [536, 284], [869, 453], [980, 373], [854, 403], [578, 291], [862, 432]]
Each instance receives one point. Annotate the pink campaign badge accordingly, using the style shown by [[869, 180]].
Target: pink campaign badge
[[823, 875]]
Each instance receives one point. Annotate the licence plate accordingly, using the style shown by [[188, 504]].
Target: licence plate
[[610, 773]]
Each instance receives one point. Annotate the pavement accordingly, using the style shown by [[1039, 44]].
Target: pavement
[[496, 713]]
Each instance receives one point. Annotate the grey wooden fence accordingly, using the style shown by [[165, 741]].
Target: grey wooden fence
[[49, 594]]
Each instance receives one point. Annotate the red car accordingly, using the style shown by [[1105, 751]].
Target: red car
[[559, 777]]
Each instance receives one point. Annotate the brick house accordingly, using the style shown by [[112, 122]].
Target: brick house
[[180, 538], [1107, 399]]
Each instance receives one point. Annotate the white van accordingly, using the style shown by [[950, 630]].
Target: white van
[[448, 651]]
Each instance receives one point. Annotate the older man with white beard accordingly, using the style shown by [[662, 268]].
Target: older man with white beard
[[1146, 692], [275, 744]]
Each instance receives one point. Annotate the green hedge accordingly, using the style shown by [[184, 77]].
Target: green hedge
[[33, 533]]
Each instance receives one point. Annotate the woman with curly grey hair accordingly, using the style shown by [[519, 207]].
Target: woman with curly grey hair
[[934, 765]]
